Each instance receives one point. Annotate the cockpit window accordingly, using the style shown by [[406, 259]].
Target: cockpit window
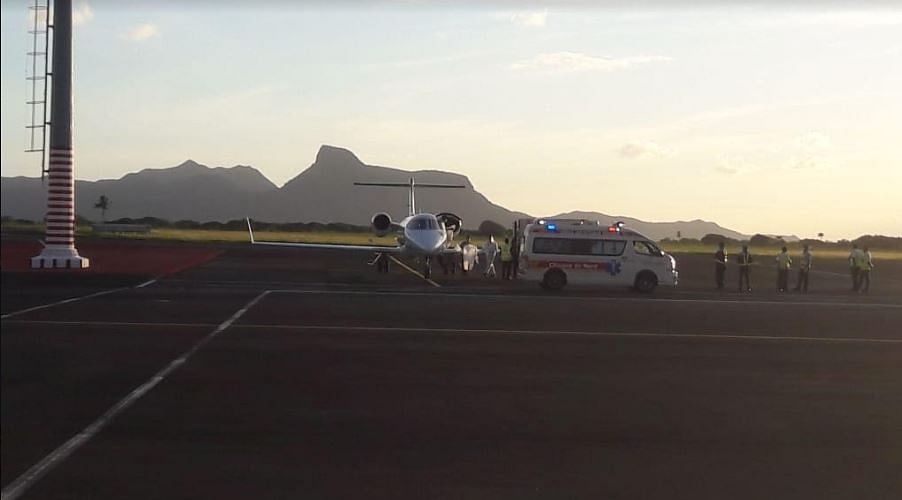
[[423, 223]]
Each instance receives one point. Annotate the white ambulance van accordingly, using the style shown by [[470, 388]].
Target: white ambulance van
[[558, 252]]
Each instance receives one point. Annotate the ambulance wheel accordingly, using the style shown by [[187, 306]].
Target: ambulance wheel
[[554, 279], [646, 281]]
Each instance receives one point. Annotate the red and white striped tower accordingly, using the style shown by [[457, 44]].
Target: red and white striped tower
[[59, 245]]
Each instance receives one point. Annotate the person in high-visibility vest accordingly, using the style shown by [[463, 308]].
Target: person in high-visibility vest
[[804, 270], [866, 263], [856, 258], [720, 265], [744, 259], [507, 259], [784, 264]]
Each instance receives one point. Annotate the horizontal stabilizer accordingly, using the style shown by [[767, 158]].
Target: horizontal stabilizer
[[407, 185], [410, 184]]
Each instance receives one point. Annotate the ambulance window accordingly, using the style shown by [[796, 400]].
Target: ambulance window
[[581, 247], [614, 247], [646, 248], [607, 247], [598, 247], [578, 246], [551, 245]]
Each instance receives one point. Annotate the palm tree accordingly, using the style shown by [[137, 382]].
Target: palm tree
[[103, 203]]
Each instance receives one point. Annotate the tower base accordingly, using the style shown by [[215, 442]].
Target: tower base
[[60, 258]]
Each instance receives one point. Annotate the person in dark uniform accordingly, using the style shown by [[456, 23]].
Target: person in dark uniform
[[515, 252], [744, 259], [381, 262], [720, 265]]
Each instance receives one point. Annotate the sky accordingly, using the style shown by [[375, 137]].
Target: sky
[[765, 117]]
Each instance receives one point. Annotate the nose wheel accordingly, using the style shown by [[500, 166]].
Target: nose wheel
[[427, 268]]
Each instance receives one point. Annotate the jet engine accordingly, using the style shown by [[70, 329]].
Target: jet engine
[[381, 223], [452, 222]]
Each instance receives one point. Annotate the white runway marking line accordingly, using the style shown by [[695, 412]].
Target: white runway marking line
[[648, 300], [279, 326], [106, 323], [21, 484], [147, 283], [471, 331], [61, 302], [405, 266]]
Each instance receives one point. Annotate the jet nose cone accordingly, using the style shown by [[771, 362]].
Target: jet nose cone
[[428, 241], [435, 241]]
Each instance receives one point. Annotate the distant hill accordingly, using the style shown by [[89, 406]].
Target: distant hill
[[694, 229], [324, 192], [187, 191]]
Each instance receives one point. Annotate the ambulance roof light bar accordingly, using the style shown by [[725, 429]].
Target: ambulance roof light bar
[[572, 222]]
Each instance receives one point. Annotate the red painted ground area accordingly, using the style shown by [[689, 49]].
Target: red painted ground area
[[114, 257]]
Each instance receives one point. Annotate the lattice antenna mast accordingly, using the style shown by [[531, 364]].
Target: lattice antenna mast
[[39, 73]]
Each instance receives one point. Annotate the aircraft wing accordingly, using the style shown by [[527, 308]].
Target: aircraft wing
[[322, 246]]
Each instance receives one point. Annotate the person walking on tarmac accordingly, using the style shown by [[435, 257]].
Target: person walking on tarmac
[[381, 262], [744, 259], [784, 264], [720, 264], [469, 256], [515, 254], [864, 271], [804, 270], [490, 250], [507, 260], [856, 257]]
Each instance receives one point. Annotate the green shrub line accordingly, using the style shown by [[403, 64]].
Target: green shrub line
[[236, 230]]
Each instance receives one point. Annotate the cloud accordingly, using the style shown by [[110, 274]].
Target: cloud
[[571, 62], [835, 18], [731, 165], [535, 19], [142, 32], [82, 13], [641, 149], [811, 150]]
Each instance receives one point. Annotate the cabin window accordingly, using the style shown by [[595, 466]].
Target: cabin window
[[578, 246]]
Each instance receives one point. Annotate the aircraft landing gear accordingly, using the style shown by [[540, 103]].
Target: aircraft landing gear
[[427, 268]]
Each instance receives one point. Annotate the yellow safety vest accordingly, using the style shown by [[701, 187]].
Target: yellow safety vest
[[861, 261], [784, 261], [505, 252]]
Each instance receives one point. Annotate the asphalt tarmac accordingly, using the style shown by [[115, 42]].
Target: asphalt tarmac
[[273, 374]]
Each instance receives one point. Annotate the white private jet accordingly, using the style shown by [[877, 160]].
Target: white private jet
[[419, 234]]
